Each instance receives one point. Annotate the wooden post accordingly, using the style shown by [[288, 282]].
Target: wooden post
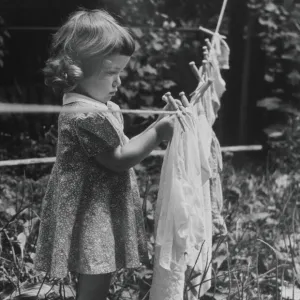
[[243, 114]]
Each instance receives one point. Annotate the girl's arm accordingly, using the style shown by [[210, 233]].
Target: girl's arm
[[124, 157]]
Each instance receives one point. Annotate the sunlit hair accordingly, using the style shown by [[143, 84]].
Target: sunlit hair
[[79, 46]]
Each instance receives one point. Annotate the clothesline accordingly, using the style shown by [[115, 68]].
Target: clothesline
[[36, 108], [46, 160], [178, 29]]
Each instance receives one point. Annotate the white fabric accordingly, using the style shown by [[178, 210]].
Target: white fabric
[[183, 218], [183, 212]]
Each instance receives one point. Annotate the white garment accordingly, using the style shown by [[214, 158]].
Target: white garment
[[183, 211], [183, 218]]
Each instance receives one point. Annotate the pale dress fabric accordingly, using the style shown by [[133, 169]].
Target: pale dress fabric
[[91, 221]]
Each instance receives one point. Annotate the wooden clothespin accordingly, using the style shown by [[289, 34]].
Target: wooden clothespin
[[202, 89], [211, 32], [171, 100], [194, 70], [184, 99]]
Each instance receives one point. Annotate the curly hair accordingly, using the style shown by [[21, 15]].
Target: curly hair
[[86, 38]]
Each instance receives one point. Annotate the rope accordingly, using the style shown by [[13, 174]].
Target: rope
[[175, 29], [45, 160], [35, 108]]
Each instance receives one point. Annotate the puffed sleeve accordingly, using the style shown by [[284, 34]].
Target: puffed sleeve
[[96, 133]]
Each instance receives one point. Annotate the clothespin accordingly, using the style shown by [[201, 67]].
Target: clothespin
[[174, 104], [205, 68], [184, 99], [194, 70], [211, 32], [202, 89]]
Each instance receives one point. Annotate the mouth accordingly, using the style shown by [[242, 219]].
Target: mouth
[[112, 93]]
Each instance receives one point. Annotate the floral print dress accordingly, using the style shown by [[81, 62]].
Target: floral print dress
[[92, 221]]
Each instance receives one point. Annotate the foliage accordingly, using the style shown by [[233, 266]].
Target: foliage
[[258, 259], [160, 63], [279, 33], [285, 145], [156, 66]]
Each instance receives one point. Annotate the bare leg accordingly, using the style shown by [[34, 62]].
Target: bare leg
[[93, 287]]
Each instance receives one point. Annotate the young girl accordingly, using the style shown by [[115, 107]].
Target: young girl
[[92, 220]]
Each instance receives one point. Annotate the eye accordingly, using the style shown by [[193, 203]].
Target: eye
[[112, 73]]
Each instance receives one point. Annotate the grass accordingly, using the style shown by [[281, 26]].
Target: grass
[[259, 259]]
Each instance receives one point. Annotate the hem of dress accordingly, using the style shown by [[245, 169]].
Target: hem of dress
[[104, 271], [82, 271]]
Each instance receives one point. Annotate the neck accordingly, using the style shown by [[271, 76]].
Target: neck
[[85, 93]]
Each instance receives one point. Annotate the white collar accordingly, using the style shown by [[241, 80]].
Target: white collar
[[75, 97]]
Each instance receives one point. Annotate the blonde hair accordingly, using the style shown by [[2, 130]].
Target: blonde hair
[[87, 37]]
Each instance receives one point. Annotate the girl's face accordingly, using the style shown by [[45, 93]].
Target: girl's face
[[103, 85]]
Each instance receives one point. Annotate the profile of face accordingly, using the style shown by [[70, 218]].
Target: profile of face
[[103, 85]]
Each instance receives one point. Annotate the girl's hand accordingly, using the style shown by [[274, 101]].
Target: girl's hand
[[169, 107], [165, 128]]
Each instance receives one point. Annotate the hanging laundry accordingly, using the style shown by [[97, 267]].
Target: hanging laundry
[[222, 53], [190, 200], [183, 213], [210, 104]]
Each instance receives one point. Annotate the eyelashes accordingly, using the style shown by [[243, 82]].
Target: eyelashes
[[115, 73]]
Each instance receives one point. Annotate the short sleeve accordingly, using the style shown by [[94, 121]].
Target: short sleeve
[[96, 134], [119, 116]]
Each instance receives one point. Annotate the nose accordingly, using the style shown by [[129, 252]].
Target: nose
[[117, 82]]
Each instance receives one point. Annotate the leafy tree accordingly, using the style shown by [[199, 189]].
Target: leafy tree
[[280, 38]]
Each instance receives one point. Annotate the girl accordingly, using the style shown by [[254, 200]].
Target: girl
[[92, 220]]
